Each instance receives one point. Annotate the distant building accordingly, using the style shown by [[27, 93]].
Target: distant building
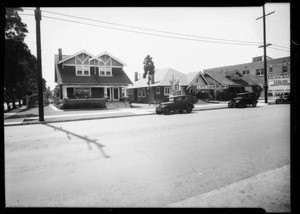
[[160, 87], [252, 73]]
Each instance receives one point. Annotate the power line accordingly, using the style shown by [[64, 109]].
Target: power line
[[279, 49], [254, 43], [152, 34], [140, 28], [281, 46]]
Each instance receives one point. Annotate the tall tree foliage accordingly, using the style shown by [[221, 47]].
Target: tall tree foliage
[[20, 75], [149, 67]]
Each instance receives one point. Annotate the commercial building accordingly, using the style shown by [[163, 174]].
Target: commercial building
[[250, 74]]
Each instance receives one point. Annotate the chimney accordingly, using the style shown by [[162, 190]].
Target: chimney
[[59, 54], [136, 76], [152, 78]]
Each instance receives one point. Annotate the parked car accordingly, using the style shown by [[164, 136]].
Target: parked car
[[243, 99], [283, 99], [177, 103]]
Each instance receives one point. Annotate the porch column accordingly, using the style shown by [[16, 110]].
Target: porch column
[[64, 92], [105, 92]]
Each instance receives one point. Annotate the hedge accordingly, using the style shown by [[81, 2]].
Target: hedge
[[83, 103]]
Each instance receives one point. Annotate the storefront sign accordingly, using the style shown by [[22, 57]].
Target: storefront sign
[[176, 84], [212, 86], [279, 64], [279, 76]]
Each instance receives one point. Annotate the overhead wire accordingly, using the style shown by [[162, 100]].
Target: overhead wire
[[159, 31], [221, 41], [152, 34]]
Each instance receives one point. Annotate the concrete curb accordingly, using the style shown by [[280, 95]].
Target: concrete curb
[[197, 108]]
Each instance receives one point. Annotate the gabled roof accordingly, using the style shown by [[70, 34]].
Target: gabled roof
[[213, 77], [115, 58], [191, 77], [80, 52], [162, 77], [223, 78]]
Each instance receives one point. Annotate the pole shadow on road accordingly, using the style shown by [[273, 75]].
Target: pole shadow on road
[[88, 141]]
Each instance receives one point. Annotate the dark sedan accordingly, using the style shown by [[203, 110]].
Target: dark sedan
[[283, 99]]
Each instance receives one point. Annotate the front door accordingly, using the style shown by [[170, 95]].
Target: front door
[[116, 93], [108, 94]]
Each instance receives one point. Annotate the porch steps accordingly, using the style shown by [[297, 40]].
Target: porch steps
[[117, 104]]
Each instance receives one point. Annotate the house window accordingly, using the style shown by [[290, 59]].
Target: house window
[[284, 69], [108, 71], [143, 92], [83, 70], [157, 90], [246, 72], [82, 93], [105, 71], [259, 72], [166, 90], [270, 70], [139, 92]]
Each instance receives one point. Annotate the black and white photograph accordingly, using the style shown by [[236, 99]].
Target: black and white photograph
[[148, 107]]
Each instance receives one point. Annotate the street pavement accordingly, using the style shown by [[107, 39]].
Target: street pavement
[[269, 189]]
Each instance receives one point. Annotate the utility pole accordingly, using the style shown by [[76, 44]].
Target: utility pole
[[265, 53], [38, 18]]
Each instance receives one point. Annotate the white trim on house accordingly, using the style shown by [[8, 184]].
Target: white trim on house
[[76, 54], [111, 56]]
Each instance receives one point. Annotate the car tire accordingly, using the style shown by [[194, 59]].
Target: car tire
[[189, 109], [166, 110], [180, 111], [254, 104], [158, 112], [244, 105]]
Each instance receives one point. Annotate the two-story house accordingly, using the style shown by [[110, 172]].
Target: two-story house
[[85, 76]]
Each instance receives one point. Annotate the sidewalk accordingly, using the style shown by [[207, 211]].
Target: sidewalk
[[269, 190], [23, 116]]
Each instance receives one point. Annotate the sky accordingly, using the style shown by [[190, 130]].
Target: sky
[[111, 32]]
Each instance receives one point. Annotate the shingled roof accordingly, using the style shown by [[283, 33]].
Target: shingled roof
[[162, 77], [67, 76]]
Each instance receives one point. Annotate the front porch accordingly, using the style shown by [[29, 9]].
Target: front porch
[[109, 93]]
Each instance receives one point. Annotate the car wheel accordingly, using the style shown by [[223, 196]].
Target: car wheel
[[166, 110], [158, 112], [189, 109], [254, 104], [229, 106], [180, 111], [244, 105]]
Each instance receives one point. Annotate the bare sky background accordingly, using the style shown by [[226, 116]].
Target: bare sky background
[[183, 53]]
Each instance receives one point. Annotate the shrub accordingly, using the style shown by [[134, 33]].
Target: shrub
[[84, 103]]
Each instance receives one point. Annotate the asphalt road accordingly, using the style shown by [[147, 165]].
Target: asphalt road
[[145, 161]]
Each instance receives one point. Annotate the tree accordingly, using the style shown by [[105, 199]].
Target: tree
[[149, 69], [16, 52], [20, 66], [14, 27]]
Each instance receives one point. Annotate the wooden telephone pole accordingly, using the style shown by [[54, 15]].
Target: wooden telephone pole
[[38, 18], [265, 53]]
